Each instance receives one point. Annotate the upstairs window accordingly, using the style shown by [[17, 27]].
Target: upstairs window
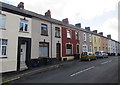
[[90, 38], [69, 34], [23, 25], [95, 39], [84, 37], [3, 47], [44, 30], [2, 21], [77, 35], [57, 32]]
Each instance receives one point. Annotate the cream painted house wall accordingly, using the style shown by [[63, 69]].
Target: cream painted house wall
[[56, 40], [11, 33], [37, 37]]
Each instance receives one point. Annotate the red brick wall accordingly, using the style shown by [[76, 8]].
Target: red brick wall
[[72, 41]]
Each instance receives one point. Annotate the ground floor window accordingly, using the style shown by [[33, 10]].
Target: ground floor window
[[44, 49], [3, 47], [68, 49], [90, 48], [85, 49], [95, 49]]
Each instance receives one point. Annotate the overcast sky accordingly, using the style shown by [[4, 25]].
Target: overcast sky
[[101, 15]]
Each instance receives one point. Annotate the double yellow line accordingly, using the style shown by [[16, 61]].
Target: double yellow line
[[12, 79]]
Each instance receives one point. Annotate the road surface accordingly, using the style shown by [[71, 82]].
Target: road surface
[[95, 71]]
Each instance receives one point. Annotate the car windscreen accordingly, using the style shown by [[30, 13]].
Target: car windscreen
[[84, 53]]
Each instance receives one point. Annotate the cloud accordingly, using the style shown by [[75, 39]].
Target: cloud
[[85, 9], [76, 10], [109, 27]]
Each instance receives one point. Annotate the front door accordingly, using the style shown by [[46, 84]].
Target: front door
[[58, 52], [23, 56]]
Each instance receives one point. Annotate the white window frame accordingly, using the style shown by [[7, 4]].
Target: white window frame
[[90, 48], [24, 22], [1, 46], [66, 48], [58, 32], [90, 38], [43, 48], [3, 21], [83, 49], [77, 35], [84, 36], [69, 34]]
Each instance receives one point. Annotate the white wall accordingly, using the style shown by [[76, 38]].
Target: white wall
[[56, 40], [11, 34]]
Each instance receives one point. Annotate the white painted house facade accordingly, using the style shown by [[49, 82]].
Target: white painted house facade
[[15, 39]]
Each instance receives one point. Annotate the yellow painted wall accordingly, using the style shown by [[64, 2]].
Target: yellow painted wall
[[96, 42]]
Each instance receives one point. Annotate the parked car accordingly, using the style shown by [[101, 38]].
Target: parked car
[[99, 54], [88, 56], [105, 54]]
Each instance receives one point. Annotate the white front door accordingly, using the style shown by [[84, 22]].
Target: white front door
[[23, 57]]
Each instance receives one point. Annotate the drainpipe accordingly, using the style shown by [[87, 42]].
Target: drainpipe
[[51, 40]]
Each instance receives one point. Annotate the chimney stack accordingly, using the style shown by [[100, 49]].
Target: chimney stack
[[21, 5], [101, 33], [87, 28], [48, 14], [65, 21], [78, 25], [95, 31], [109, 36]]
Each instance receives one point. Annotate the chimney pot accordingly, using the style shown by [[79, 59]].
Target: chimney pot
[[65, 21], [87, 28], [109, 36], [78, 25], [21, 5], [48, 14], [95, 31], [101, 33]]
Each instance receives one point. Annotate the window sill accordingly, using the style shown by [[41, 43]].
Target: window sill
[[23, 32], [69, 38], [3, 57], [44, 35], [69, 55], [57, 37], [3, 28]]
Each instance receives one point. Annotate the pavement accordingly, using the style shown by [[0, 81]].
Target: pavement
[[96, 71]]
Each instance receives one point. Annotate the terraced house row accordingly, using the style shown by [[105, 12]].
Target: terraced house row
[[26, 36]]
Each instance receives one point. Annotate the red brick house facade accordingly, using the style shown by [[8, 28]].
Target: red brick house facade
[[70, 43]]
